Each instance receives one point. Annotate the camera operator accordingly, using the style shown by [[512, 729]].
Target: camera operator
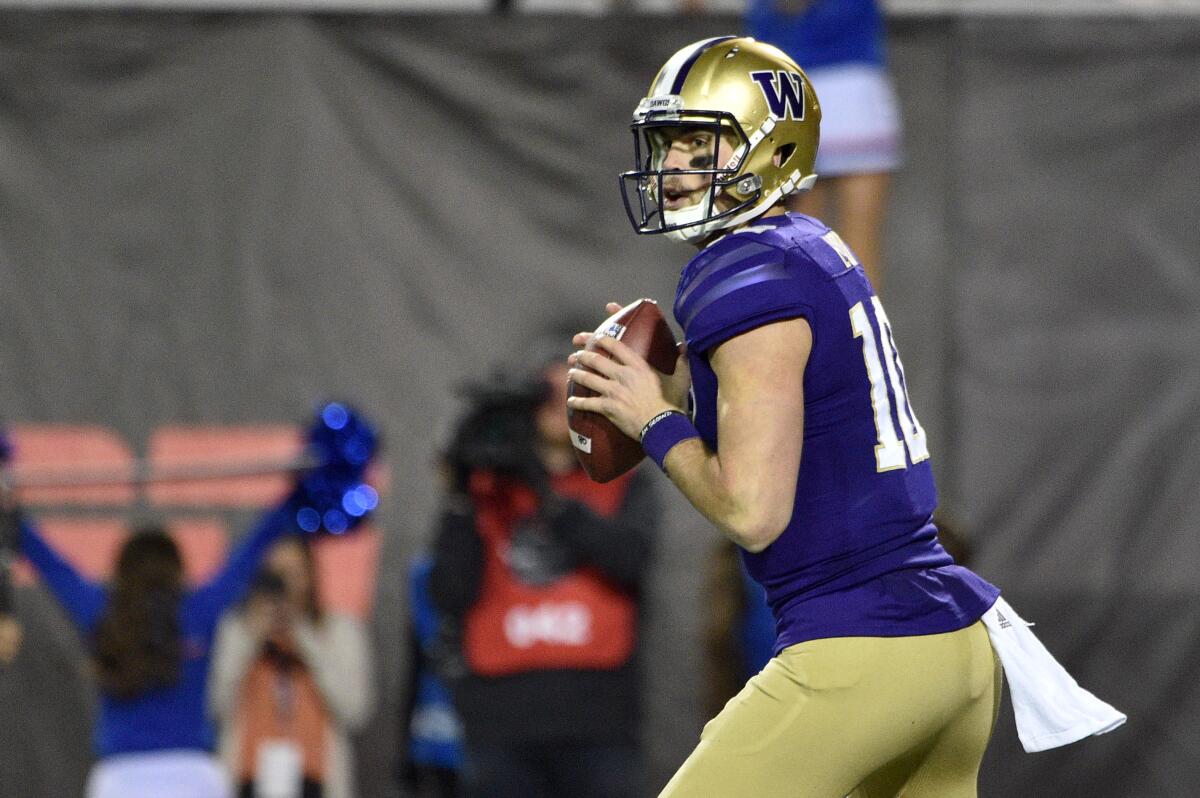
[[538, 575], [291, 681]]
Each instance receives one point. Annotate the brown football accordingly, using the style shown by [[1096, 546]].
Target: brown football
[[603, 450]]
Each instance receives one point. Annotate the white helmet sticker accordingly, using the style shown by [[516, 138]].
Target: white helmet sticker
[[666, 103]]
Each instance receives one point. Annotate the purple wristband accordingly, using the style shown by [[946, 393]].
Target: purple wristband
[[662, 432]]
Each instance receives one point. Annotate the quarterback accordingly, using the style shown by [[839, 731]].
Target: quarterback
[[788, 424]]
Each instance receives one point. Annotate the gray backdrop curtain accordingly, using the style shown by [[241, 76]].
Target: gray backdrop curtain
[[221, 218]]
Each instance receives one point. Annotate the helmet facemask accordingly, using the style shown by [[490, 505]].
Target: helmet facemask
[[650, 182]]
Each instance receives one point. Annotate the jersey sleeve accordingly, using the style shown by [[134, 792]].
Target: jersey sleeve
[[736, 291], [232, 582], [83, 600]]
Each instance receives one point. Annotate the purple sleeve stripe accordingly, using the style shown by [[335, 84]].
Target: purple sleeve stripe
[[749, 254], [762, 273]]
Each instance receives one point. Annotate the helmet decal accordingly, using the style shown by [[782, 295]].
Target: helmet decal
[[784, 92]]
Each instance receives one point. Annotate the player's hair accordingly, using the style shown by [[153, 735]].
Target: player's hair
[[138, 639]]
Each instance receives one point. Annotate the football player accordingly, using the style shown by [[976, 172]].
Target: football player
[[798, 441]]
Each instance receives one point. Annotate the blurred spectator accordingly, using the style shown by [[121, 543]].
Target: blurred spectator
[[739, 629], [840, 45], [431, 746], [291, 680], [538, 574], [10, 638], [150, 639], [11, 631], [10, 628], [953, 537]]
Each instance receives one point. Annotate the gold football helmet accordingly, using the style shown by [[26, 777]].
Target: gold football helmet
[[749, 94]]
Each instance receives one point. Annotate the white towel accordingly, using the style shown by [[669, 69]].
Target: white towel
[[1050, 707]]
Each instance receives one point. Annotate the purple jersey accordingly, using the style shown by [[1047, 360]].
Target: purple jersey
[[860, 556]]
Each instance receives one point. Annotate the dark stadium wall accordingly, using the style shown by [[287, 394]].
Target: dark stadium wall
[[222, 218]]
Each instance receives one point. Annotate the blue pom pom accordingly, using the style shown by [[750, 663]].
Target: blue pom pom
[[341, 443], [308, 519], [360, 500], [334, 415], [335, 521], [368, 497]]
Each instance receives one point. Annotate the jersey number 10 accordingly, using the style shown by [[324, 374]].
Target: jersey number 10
[[889, 450]]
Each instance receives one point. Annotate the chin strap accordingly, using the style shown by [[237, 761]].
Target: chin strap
[[698, 230], [695, 228]]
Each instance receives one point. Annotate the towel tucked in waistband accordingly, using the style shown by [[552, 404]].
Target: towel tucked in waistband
[[1050, 707]]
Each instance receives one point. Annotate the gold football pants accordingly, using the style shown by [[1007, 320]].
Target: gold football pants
[[869, 717]]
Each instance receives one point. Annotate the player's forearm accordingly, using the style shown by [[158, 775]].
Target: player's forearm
[[735, 502]]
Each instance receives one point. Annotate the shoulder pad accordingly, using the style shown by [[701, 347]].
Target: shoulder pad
[[731, 263]]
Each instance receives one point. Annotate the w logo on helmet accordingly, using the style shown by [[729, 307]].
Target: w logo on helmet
[[784, 92]]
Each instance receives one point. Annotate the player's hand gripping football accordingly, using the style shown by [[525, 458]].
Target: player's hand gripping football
[[631, 391]]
